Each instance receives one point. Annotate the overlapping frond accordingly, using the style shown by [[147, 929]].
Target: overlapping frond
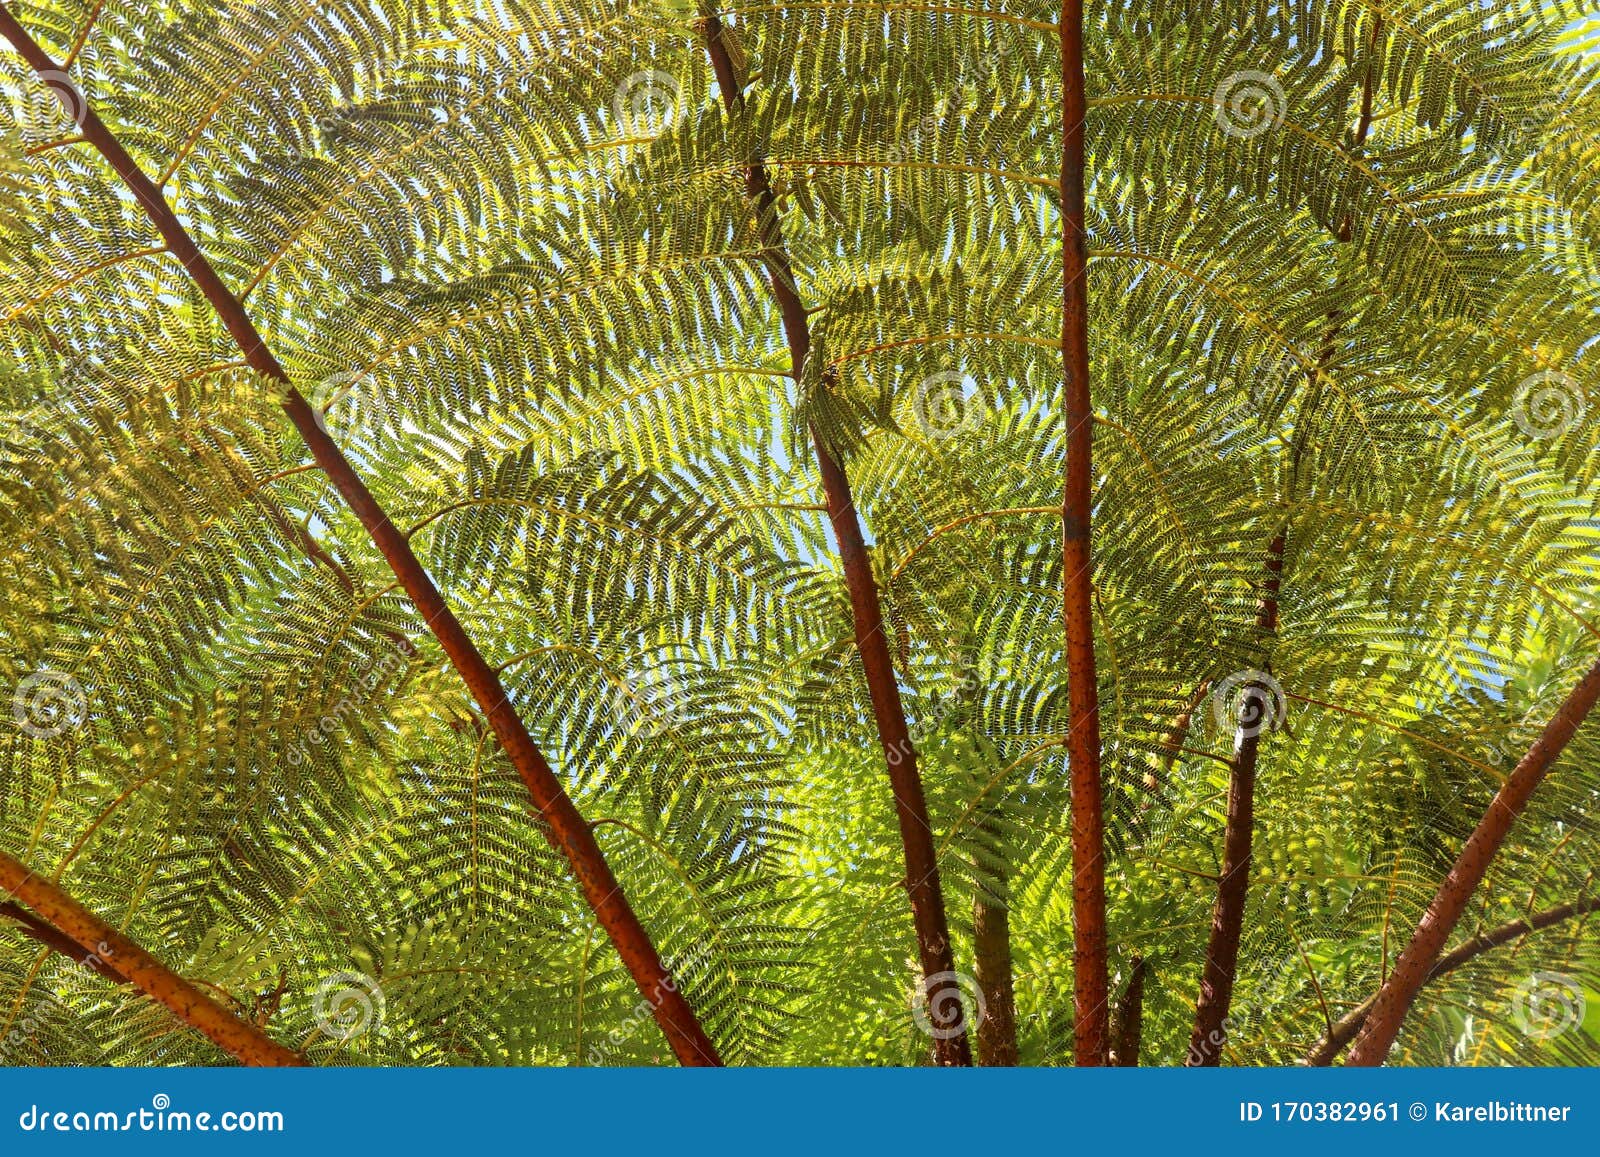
[[508, 251]]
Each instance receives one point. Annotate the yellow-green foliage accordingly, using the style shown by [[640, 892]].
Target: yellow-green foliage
[[533, 308]]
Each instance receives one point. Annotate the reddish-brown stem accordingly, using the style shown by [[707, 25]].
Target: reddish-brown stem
[[950, 1046], [1173, 745], [1129, 1026], [77, 929], [1227, 919], [565, 827], [36, 929], [1344, 1031], [1394, 998], [1233, 886], [1399, 992], [992, 969], [1089, 980]]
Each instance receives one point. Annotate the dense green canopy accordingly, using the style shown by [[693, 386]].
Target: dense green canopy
[[509, 248]]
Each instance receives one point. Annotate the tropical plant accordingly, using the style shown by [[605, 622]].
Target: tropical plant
[[603, 531]]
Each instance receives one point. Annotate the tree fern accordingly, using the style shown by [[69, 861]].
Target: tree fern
[[514, 261]]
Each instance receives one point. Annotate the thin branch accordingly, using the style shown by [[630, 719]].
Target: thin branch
[[823, 162], [1339, 1035], [85, 931], [1376, 721], [1449, 542], [566, 829], [950, 1046], [78, 275], [964, 520], [36, 929], [1411, 971], [941, 337], [1173, 742], [1311, 971], [1227, 921], [82, 38], [877, 6], [1227, 917]]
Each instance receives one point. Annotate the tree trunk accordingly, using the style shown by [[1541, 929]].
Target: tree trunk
[[1089, 980], [1129, 1026], [1233, 887], [566, 829], [991, 946], [102, 943], [1344, 1031], [1395, 997], [922, 884]]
